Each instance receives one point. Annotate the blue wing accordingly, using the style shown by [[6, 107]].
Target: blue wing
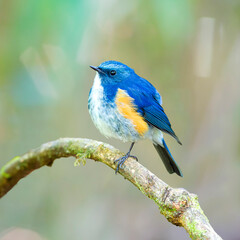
[[149, 101], [156, 116]]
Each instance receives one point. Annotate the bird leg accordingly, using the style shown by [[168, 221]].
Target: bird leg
[[121, 160]]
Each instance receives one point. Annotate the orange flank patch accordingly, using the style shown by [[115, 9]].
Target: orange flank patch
[[127, 108]]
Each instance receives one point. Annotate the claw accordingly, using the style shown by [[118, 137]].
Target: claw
[[134, 157], [121, 161]]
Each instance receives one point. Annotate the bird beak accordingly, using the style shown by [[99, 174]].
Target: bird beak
[[97, 69]]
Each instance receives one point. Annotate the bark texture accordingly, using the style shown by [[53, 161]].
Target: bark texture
[[180, 207]]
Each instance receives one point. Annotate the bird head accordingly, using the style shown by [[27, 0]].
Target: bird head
[[113, 71]]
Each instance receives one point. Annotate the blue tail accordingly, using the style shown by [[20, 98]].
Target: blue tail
[[168, 159]]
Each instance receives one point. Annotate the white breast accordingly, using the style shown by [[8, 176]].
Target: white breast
[[95, 99], [106, 116], [97, 108]]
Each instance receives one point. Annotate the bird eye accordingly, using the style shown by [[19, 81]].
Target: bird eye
[[113, 72]]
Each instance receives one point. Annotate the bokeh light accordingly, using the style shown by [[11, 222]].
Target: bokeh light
[[189, 50]]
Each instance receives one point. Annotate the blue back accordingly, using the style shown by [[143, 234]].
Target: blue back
[[146, 98]]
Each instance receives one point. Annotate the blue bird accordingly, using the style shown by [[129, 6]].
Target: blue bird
[[125, 106]]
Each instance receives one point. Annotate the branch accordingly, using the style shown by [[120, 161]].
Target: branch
[[180, 207]]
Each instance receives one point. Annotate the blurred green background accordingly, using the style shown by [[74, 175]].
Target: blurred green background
[[189, 50]]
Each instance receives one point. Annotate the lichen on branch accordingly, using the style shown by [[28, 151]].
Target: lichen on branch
[[180, 207]]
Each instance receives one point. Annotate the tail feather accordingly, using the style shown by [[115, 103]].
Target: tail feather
[[168, 159]]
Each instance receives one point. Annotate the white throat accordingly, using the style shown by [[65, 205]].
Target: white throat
[[97, 92], [97, 82]]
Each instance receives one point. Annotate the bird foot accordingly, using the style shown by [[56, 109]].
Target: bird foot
[[120, 161]]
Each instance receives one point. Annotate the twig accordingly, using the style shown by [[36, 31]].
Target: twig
[[178, 206]]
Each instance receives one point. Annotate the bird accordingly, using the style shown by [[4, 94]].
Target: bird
[[127, 107]]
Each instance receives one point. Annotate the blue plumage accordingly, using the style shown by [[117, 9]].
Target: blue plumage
[[125, 106], [156, 116]]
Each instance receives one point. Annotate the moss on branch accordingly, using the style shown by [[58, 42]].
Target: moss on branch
[[180, 207]]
